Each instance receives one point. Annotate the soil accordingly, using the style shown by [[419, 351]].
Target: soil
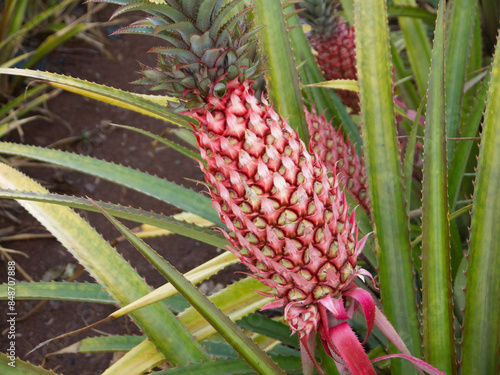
[[83, 125]]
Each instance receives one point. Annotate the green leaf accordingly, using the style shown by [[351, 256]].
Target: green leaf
[[291, 364], [20, 367], [219, 349], [459, 291], [110, 270], [204, 14], [348, 8], [227, 328], [223, 350], [482, 301], [384, 175], [406, 88], [185, 29], [327, 362], [417, 46], [461, 25], [286, 351], [410, 157], [364, 224], [474, 65], [171, 224], [222, 16], [462, 162], [411, 11], [338, 84], [464, 146], [186, 136], [103, 344], [269, 327], [156, 187], [106, 94], [162, 100], [167, 12], [109, 344], [437, 297], [282, 79], [76, 292], [59, 291]]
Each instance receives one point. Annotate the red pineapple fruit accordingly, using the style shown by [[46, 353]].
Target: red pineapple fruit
[[333, 40], [289, 222], [290, 218], [338, 154]]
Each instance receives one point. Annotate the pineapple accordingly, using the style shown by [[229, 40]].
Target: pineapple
[[288, 221], [337, 152], [333, 40]]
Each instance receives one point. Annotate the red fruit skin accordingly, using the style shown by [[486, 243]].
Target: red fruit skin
[[337, 153]]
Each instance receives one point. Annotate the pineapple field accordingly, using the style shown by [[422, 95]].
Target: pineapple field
[[257, 186]]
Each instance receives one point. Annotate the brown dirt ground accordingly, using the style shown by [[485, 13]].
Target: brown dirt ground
[[71, 116]]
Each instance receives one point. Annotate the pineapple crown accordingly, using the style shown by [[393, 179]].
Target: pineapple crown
[[320, 14], [209, 43]]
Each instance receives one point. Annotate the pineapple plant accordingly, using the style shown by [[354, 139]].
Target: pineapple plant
[[333, 39], [288, 221]]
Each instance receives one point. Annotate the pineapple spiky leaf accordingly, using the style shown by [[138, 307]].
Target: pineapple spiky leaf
[[167, 11], [148, 29], [207, 7], [207, 46]]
